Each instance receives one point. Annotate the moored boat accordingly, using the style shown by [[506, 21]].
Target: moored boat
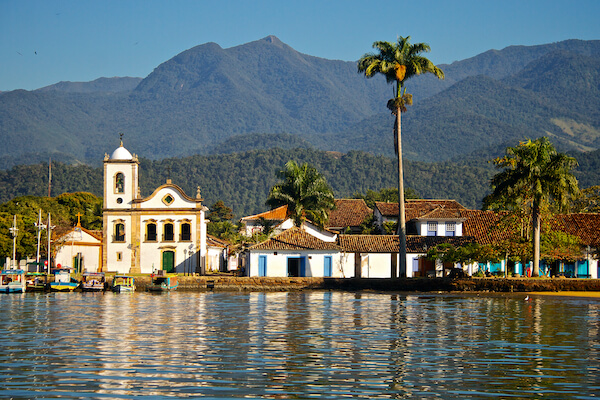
[[36, 281], [62, 281], [123, 283], [93, 282], [162, 282], [12, 281]]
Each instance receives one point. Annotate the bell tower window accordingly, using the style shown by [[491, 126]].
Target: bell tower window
[[120, 183]]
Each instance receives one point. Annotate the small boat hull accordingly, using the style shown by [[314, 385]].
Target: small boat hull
[[63, 286], [123, 284], [12, 281]]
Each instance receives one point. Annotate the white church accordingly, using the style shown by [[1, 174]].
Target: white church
[[164, 231]]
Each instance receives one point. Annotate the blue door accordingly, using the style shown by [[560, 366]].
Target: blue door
[[262, 265], [303, 266], [327, 266]]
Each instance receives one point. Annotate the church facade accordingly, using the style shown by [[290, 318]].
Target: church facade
[[164, 231]]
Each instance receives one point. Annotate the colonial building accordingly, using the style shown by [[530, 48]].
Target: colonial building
[[164, 231]]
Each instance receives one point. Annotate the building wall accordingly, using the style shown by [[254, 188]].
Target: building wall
[[441, 228], [277, 264]]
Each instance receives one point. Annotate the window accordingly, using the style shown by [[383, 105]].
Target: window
[[186, 232], [120, 183], [168, 232], [151, 232], [119, 256], [119, 232], [450, 228], [432, 228]]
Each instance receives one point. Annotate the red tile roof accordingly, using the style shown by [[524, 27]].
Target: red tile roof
[[415, 209], [348, 212], [276, 214], [295, 239], [585, 226], [390, 243]]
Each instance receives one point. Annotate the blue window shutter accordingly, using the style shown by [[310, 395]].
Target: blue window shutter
[[262, 265], [327, 266], [303, 266]]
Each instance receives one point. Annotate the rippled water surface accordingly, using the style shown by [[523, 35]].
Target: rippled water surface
[[298, 345]]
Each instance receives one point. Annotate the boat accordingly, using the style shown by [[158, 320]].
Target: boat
[[93, 282], [12, 281], [123, 283], [162, 282], [36, 281], [62, 281]]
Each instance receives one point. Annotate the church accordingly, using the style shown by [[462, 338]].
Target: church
[[164, 231]]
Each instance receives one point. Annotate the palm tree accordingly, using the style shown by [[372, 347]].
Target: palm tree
[[538, 176], [306, 193], [398, 62]]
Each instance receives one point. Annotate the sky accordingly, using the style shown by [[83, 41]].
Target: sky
[[43, 42]]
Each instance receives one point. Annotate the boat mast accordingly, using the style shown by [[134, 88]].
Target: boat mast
[[40, 227], [14, 231], [50, 227]]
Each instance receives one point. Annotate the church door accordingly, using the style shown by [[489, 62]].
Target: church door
[[168, 261]]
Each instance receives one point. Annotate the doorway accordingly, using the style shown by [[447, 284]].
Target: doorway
[[295, 266], [168, 261]]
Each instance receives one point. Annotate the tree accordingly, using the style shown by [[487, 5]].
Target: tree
[[398, 62], [219, 212], [306, 193], [535, 176]]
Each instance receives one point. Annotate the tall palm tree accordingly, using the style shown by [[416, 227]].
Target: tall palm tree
[[306, 193], [398, 62], [535, 174]]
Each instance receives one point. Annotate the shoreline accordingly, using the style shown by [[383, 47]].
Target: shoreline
[[499, 285]]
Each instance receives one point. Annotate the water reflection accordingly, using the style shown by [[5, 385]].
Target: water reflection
[[298, 345]]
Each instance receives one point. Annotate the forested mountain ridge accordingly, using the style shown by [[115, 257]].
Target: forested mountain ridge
[[206, 96], [242, 180]]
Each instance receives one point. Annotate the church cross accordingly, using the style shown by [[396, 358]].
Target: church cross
[[78, 219]]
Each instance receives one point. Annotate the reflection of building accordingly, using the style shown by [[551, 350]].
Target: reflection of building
[[165, 230]]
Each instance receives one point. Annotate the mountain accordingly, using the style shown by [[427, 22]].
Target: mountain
[[207, 98], [110, 85], [556, 95]]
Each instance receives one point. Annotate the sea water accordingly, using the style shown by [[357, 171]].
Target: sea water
[[298, 345]]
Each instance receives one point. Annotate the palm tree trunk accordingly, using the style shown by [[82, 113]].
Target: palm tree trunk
[[401, 213], [536, 239]]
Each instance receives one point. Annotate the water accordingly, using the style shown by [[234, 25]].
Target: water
[[298, 345]]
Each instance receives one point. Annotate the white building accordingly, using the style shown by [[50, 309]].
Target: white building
[[164, 231], [80, 249]]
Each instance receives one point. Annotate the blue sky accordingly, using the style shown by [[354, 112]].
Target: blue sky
[[44, 41]]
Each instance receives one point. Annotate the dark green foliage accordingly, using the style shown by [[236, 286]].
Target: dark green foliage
[[220, 212], [63, 210], [305, 192]]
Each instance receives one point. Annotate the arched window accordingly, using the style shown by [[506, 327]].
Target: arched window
[[120, 183], [186, 232], [168, 232], [151, 232], [119, 232]]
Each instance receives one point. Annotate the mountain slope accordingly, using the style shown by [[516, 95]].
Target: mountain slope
[[200, 99]]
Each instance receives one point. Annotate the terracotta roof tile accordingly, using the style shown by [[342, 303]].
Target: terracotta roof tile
[[389, 243], [276, 214], [216, 242], [418, 208], [348, 212], [295, 239], [484, 226], [585, 226]]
